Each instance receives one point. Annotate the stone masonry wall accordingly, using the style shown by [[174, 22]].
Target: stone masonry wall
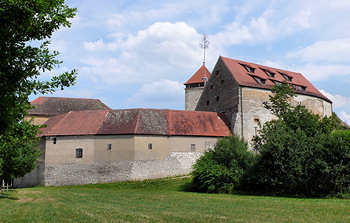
[[192, 96], [176, 163], [254, 111], [221, 93]]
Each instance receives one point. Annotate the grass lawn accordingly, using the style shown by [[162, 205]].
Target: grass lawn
[[160, 201]]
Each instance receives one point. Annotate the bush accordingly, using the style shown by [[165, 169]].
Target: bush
[[301, 154], [220, 169]]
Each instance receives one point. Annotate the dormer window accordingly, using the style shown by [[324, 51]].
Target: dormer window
[[259, 80], [288, 78], [277, 83], [300, 88], [248, 68], [268, 73]]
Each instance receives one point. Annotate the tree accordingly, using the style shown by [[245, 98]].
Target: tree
[[299, 154], [26, 27], [220, 169]]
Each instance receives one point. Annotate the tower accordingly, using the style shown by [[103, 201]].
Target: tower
[[195, 85]]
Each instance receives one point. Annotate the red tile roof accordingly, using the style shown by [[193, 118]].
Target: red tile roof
[[245, 78], [137, 122], [197, 77], [50, 106]]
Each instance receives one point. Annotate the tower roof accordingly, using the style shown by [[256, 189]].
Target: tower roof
[[260, 76], [197, 77]]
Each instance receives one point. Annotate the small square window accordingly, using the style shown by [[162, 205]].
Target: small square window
[[217, 98], [211, 87], [109, 146], [208, 102], [217, 72], [54, 140], [222, 81], [149, 145], [79, 153], [193, 147]]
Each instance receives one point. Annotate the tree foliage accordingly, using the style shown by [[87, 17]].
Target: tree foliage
[[26, 27], [299, 154], [220, 169]]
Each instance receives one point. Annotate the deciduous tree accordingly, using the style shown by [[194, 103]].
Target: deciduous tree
[[25, 31]]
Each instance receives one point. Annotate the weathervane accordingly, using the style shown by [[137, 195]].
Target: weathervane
[[204, 45]]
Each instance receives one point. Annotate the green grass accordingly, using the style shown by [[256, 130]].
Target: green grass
[[160, 201]]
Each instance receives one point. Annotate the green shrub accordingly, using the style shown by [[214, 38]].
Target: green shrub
[[220, 169], [301, 154]]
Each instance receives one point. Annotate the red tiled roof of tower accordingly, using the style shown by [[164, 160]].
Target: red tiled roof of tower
[[198, 76], [246, 78], [137, 122], [49, 106]]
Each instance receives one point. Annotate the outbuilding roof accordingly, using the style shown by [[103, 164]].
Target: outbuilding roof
[[260, 76], [198, 76], [137, 122], [50, 106]]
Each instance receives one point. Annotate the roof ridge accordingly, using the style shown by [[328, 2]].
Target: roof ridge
[[167, 117], [61, 120], [101, 124], [137, 120]]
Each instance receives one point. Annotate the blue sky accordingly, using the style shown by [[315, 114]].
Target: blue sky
[[139, 53]]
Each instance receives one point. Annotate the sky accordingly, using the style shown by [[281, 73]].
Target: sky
[[138, 54]]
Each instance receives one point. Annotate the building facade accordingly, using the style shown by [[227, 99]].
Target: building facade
[[84, 147], [238, 90]]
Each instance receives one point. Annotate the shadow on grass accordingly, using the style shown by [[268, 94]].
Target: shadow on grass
[[190, 187], [7, 195]]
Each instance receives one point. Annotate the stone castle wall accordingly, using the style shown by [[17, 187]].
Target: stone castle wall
[[176, 163], [192, 96]]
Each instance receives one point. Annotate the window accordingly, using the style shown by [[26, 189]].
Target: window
[[211, 87], [109, 146], [193, 147], [268, 73], [217, 72], [300, 88], [222, 81], [256, 119], [259, 80], [288, 78], [54, 140], [248, 68], [79, 153], [208, 102], [149, 145], [277, 83], [217, 98]]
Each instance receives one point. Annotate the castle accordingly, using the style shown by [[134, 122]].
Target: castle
[[85, 142]]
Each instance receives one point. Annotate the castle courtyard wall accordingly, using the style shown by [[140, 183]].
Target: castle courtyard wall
[[129, 158]]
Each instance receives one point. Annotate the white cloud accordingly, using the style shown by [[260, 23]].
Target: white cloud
[[345, 117], [339, 101], [161, 51], [159, 94], [337, 50], [315, 72]]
